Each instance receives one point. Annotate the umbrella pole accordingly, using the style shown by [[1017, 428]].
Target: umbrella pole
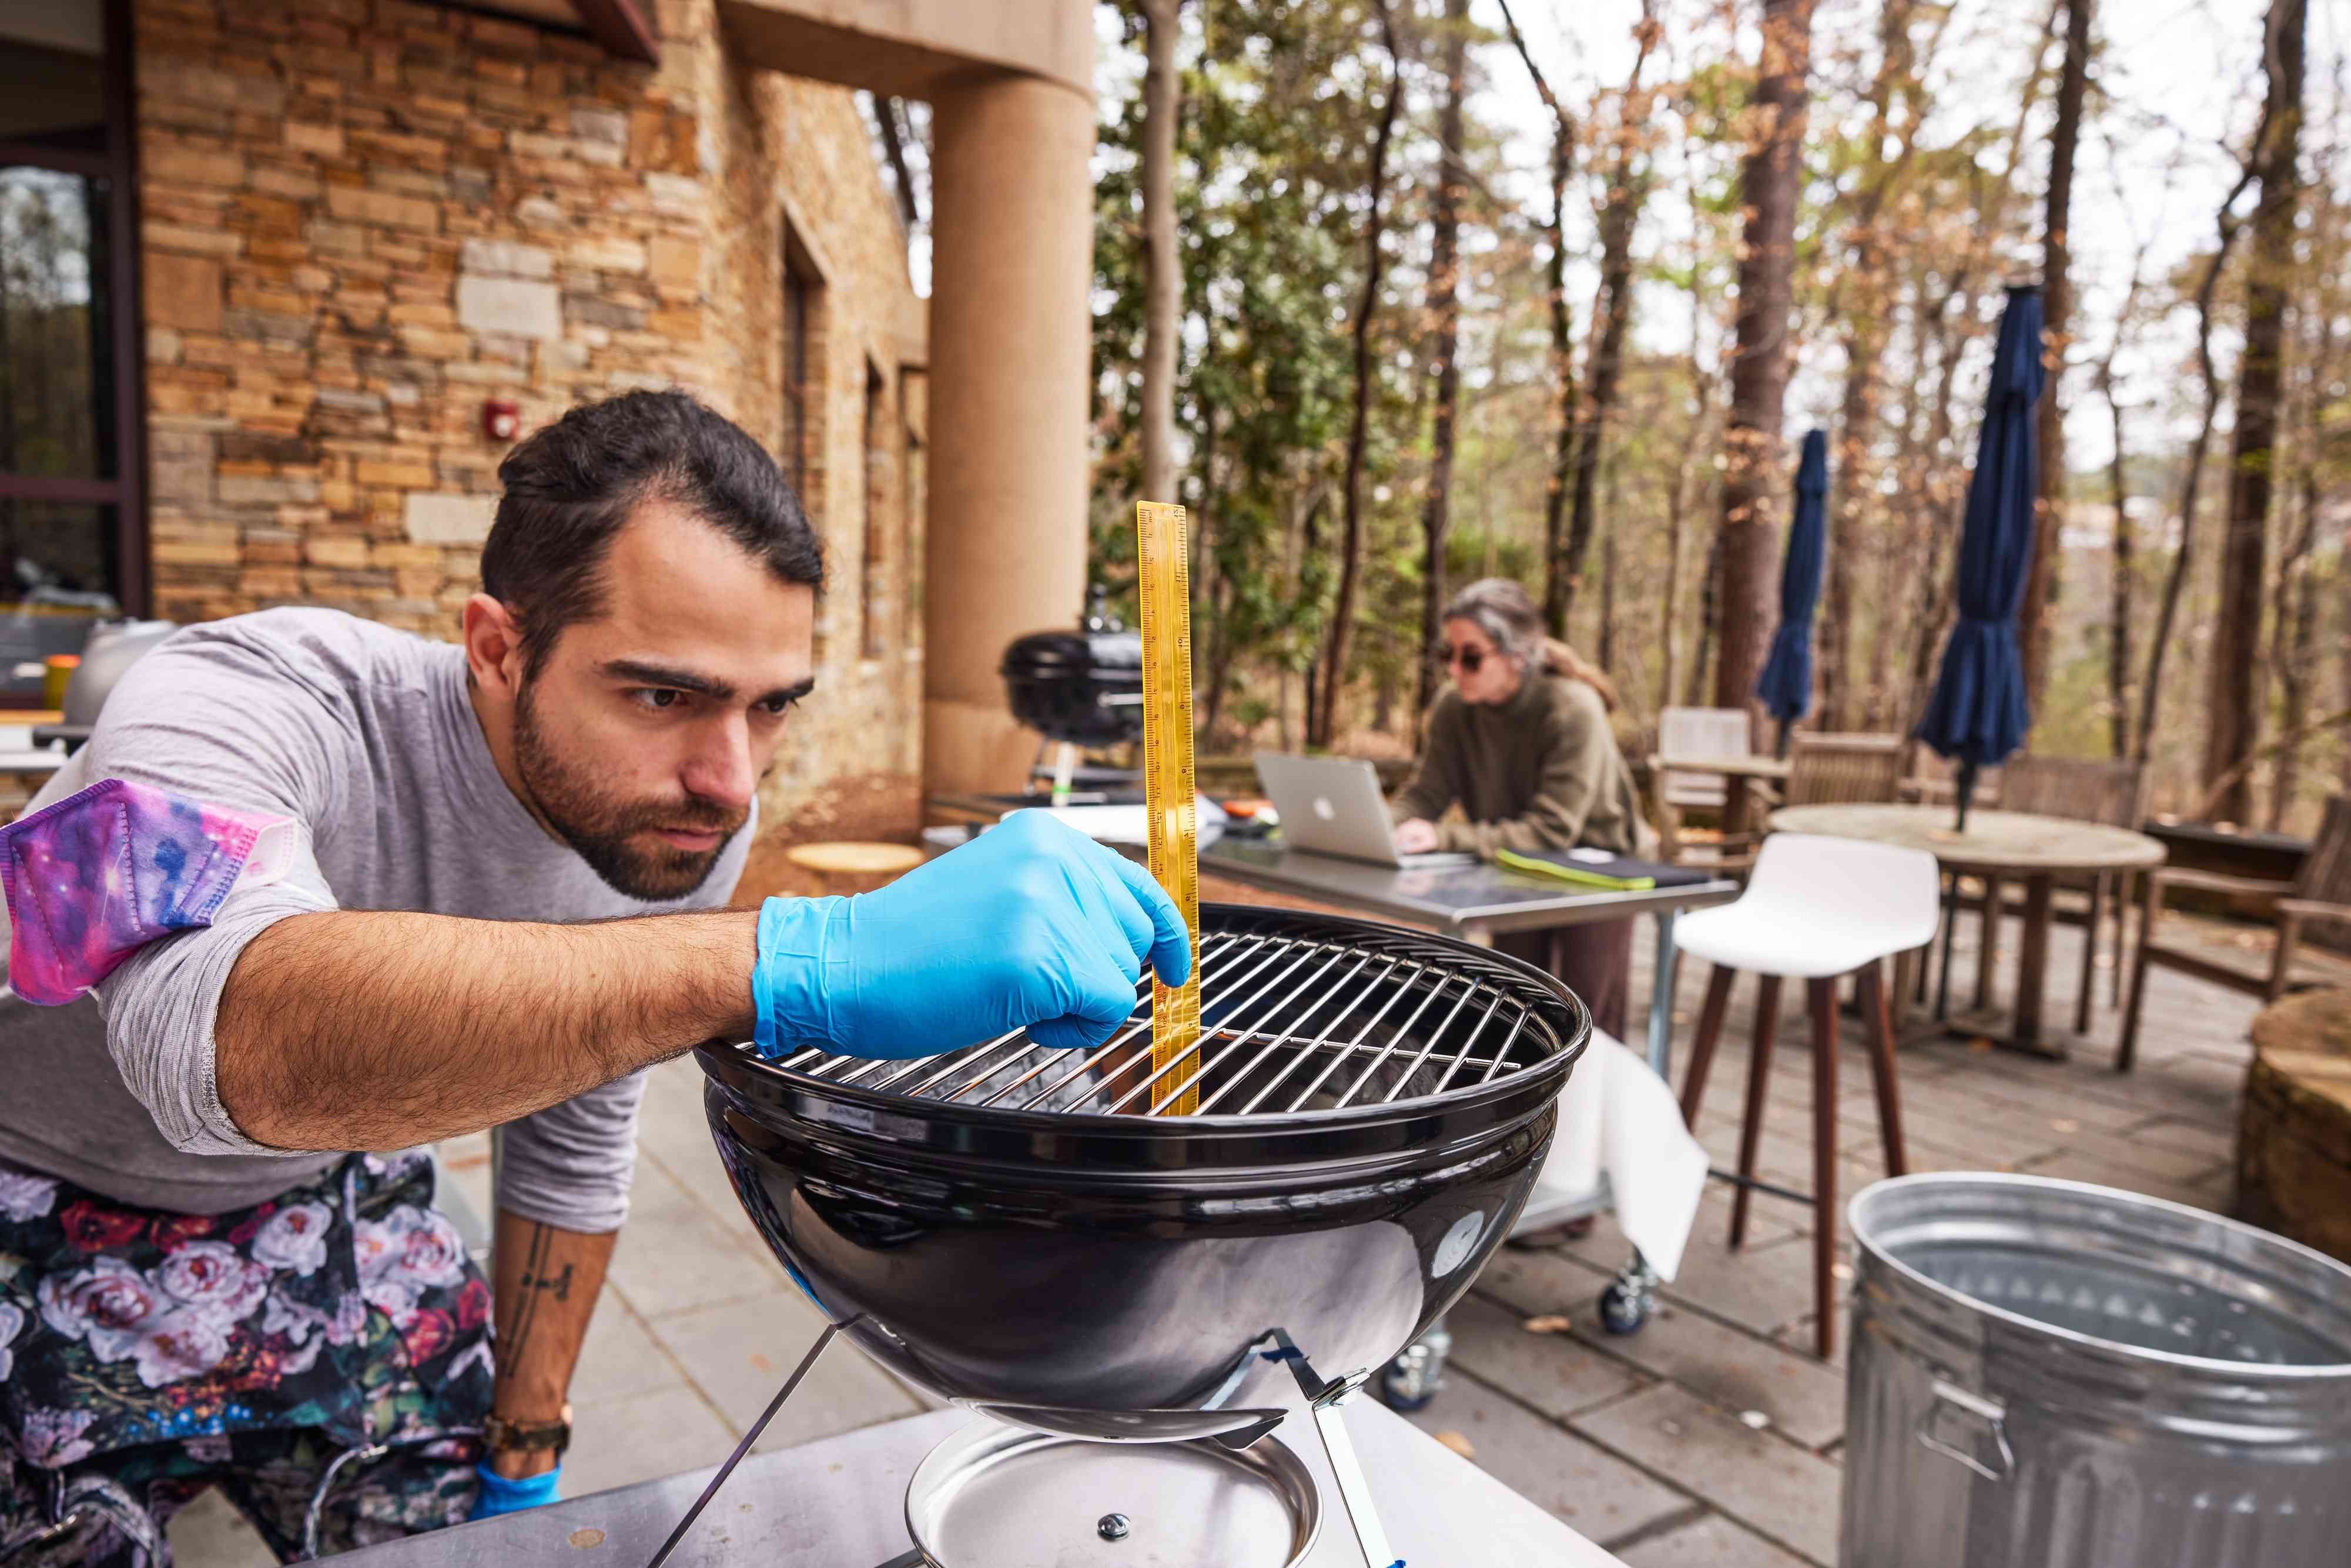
[[1781, 752], [1967, 792]]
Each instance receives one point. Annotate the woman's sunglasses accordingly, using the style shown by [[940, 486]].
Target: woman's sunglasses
[[1471, 660]]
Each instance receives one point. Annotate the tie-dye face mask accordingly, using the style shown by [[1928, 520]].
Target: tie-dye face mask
[[96, 876]]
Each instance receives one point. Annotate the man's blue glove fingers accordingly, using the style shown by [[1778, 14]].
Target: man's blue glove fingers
[[1171, 944]]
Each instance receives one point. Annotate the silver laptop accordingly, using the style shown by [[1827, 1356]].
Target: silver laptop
[[1331, 806]]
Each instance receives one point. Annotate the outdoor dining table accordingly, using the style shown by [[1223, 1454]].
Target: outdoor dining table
[[1735, 772], [1998, 847]]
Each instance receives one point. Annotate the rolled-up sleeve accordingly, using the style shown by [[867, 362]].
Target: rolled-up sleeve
[[216, 723], [571, 1164]]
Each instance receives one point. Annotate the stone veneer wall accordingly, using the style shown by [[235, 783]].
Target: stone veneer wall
[[363, 218]]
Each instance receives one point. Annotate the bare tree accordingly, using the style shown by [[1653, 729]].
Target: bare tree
[[1445, 311], [2057, 303], [1562, 161], [1759, 375], [1351, 544], [1862, 299], [2232, 719], [889, 114], [1163, 286], [2190, 483], [1625, 188]]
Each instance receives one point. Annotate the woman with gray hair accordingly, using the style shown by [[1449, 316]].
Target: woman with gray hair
[[1522, 743]]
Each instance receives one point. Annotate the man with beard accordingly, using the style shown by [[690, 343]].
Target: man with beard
[[335, 887]]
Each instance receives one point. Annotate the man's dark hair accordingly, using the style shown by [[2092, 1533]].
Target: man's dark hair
[[572, 485]]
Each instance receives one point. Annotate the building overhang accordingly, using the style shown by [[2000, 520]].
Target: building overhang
[[912, 48], [622, 26]]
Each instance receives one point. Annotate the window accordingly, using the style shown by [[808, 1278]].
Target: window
[[875, 585], [796, 383], [71, 542], [802, 440]]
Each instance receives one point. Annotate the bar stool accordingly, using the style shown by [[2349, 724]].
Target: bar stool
[[1816, 909]]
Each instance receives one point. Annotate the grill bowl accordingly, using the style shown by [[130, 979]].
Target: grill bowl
[[1376, 1106]]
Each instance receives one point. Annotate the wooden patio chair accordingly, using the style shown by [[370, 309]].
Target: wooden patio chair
[[2320, 895], [1823, 770], [1844, 770], [2084, 790]]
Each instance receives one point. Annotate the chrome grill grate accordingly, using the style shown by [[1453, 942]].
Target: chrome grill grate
[[1288, 1024]]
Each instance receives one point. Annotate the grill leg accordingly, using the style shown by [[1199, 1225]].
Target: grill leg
[[744, 1447]]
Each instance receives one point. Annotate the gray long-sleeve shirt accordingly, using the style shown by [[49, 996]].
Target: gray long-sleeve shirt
[[365, 737]]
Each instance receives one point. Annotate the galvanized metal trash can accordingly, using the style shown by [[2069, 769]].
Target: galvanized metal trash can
[[2049, 1374]]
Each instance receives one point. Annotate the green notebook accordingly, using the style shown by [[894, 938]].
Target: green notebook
[[1616, 874]]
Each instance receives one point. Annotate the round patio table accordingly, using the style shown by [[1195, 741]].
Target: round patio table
[[1999, 846]]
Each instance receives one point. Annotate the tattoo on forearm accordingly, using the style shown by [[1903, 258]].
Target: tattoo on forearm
[[525, 1312]]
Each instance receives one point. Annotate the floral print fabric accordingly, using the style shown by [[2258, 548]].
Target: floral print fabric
[[144, 1355], [94, 877]]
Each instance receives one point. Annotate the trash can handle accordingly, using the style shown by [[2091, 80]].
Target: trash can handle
[[1990, 1412]]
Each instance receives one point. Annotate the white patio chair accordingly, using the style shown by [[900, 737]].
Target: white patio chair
[[1815, 909]]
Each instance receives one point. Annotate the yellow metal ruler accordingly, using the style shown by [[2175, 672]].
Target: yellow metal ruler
[[1163, 556]]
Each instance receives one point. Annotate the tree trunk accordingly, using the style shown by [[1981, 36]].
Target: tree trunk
[[1608, 598], [2150, 698], [1445, 310], [1562, 362], [2038, 616], [1310, 547], [886, 114], [1759, 377], [2119, 644], [1611, 312], [1862, 299], [2232, 719], [2298, 610], [1351, 542], [1164, 278], [1709, 618]]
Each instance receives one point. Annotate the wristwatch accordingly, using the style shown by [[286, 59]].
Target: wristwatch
[[507, 1437]]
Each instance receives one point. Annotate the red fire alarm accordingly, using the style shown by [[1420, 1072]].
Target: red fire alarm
[[501, 418]]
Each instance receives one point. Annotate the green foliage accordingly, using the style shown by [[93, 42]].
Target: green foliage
[[1270, 157]]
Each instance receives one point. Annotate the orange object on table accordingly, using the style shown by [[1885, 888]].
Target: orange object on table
[[57, 669]]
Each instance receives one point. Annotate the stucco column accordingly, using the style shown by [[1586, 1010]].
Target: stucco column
[[1011, 271]]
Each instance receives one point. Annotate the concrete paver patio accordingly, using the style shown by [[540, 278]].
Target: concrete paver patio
[[1713, 1437]]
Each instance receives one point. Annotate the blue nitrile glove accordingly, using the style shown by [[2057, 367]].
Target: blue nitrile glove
[[1031, 924], [499, 1495]]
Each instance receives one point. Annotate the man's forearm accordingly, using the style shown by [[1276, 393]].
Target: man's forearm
[[362, 1030], [549, 1281]]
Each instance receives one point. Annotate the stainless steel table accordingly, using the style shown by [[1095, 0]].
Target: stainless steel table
[[841, 1503], [1473, 902]]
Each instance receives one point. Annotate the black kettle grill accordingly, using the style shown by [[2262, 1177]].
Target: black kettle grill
[[1082, 687]]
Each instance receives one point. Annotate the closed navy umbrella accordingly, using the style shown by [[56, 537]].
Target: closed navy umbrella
[[1978, 714], [1785, 686]]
